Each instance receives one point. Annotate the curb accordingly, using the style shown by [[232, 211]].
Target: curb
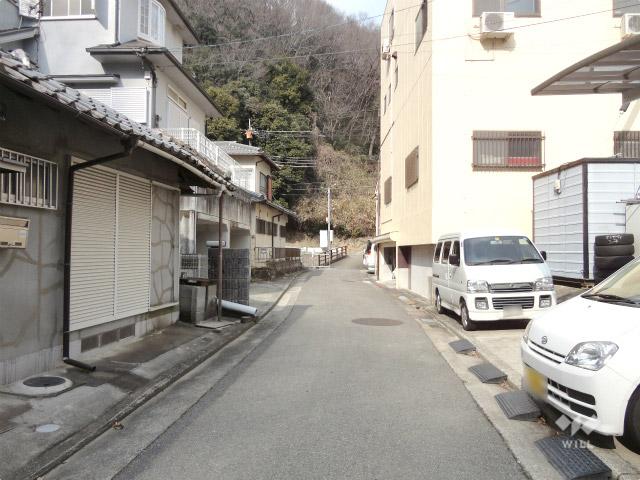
[[50, 459]]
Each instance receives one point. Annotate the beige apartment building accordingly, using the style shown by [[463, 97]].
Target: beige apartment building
[[461, 135]]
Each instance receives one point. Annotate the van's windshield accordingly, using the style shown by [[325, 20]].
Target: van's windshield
[[500, 251]]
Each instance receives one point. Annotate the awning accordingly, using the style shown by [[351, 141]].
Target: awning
[[613, 70], [384, 238]]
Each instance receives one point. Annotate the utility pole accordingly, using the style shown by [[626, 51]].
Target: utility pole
[[329, 221]]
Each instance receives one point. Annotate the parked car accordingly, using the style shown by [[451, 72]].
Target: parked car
[[369, 257], [489, 276], [582, 357]]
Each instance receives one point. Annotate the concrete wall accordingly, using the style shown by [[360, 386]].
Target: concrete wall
[[437, 108], [32, 279], [9, 17], [421, 269]]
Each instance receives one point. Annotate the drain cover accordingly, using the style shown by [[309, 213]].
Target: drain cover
[[487, 373], [48, 428], [573, 461], [43, 382], [517, 405], [377, 322], [463, 346]]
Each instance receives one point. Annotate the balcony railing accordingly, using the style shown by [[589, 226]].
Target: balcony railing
[[210, 151]]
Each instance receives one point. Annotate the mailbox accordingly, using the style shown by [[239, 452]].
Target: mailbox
[[14, 232]]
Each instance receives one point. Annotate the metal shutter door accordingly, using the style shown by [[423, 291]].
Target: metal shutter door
[[131, 102], [133, 246], [93, 248]]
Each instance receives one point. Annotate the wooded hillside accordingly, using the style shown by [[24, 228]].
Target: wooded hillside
[[307, 78]]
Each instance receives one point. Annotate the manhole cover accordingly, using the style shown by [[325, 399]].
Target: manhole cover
[[377, 322], [43, 382]]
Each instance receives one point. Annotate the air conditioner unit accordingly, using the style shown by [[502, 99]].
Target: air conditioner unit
[[386, 49], [13, 232], [496, 24], [630, 24]]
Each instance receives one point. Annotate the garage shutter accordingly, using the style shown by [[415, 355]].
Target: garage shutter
[[133, 246], [93, 248]]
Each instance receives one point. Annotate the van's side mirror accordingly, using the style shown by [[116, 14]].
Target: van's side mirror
[[544, 255], [454, 260]]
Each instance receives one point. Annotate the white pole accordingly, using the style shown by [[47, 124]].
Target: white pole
[[329, 221]]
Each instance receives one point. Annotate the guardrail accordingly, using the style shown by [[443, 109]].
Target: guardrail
[[331, 256]]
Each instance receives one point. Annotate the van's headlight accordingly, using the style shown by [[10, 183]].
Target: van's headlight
[[591, 355], [477, 286], [544, 284], [525, 335]]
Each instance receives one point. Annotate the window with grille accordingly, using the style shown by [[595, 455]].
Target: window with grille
[[68, 8], [36, 187], [626, 144], [283, 231], [522, 8], [411, 168], [151, 21], [387, 191], [620, 7], [513, 150], [422, 22], [261, 226], [264, 183]]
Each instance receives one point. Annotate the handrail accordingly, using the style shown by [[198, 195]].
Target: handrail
[[331, 256]]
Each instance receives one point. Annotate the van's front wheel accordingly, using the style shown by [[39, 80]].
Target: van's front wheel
[[468, 324]]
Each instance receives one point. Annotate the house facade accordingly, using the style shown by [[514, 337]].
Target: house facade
[[461, 135], [97, 196]]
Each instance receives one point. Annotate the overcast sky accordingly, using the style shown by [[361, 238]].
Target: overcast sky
[[370, 7]]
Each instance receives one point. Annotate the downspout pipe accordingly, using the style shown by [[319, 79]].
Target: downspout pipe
[[220, 258], [66, 320], [273, 250]]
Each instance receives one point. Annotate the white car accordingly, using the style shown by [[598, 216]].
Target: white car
[[489, 276], [583, 357], [369, 257]]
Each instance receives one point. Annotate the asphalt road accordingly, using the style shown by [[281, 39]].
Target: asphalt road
[[326, 398]]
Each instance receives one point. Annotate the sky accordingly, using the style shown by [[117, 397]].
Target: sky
[[370, 7]]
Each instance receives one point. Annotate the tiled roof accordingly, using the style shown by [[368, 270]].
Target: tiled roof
[[241, 149], [12, 69]]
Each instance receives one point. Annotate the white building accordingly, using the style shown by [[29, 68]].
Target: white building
[[461, 135]]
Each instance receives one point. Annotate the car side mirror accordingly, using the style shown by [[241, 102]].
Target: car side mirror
[[454, 260], [544, 255]]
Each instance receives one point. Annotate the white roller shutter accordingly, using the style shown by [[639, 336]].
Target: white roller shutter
[[133, 246], [93, 248], [131, 102]]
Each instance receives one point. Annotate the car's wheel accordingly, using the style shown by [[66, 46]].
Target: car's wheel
[[631, 438], [612, 263], [615, 239], [467, 323], [439, 308], [614, 250]]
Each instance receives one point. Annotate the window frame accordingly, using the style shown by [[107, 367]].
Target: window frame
[[266, 183], [391, 28], [395, 78], [537, 14], [437, 252], [41, 177], [388, 190], [446, 251], [148, 36], [179, 101], [68, 16], [480, 139], [411, 165]]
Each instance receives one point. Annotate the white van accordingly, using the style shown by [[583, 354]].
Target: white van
[[488, 276]]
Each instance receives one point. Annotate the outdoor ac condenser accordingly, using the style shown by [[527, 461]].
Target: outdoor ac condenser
[[496, 24], [13, 232], [630, 24]]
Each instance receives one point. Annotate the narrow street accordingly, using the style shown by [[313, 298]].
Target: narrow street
[[328, 396]]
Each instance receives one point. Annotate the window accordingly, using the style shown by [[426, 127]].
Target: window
[[620, 7], [395, 78], [391, 25], [176, 98], [422, 22], [494, 149], [68, 8], [283, 231], [387, 191], [389, 96], [36, 187], [436, 255], [261, 226], [500, 251], [411, 168], [384, 105], [445, 252], [264, 183], [455, 249], [522, 8], [626, 144], [151, 21]]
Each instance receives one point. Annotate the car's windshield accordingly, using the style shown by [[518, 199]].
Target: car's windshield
[[500, 251], [622, 286]]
